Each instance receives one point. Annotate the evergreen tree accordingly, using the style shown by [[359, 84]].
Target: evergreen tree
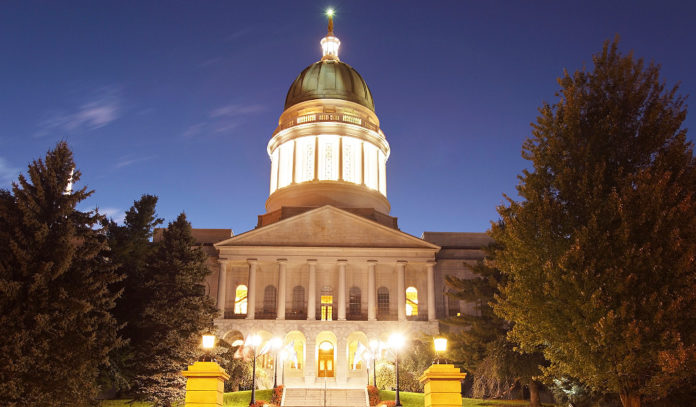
[[598, 255], [176, 313], [131, 249], [480, 343], [55, 301]]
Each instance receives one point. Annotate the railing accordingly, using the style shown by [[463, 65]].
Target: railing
[[329, 117], [356, 317], [232, 315], [296, 315], [265, 315]]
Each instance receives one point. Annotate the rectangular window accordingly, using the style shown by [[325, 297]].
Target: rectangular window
[[285, 166], [328, 157], [274, 170], [304, 158], [352, 165], [382, 173], [371, 180]]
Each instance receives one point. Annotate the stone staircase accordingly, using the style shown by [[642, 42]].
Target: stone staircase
[[334, 398]]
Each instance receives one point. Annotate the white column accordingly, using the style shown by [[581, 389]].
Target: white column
[[431, 290], [310, 367], [342, 290], [340, 355], [401, 290], [222, 288], [251, 293], [371, 295], [312, 290], [282, 269]]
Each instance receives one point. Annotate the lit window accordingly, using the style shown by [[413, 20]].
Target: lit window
[[285, 165], [327, 304], [382, 173], [356, 353], [371, 180], [304, 159], [274, 170], [351, 160], [328, 157], [411, 301], [240, 300]]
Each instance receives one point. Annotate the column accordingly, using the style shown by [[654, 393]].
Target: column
[[431, 290], [371, 294], [222, 288], [342, 290], [282, 270], [251, 293], [340, 353], [312, 290], [401, 290]]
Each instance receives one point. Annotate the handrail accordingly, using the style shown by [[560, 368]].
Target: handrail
[[324, 390]]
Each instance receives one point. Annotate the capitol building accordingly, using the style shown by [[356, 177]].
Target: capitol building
[[327, 269]]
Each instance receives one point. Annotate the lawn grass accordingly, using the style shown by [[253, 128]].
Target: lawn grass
[[416, 400], [236, 399], [242, 398]]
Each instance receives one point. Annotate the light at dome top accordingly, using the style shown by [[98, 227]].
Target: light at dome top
[[330, 12]]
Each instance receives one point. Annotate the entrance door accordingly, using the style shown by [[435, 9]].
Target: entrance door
[[326, 360]]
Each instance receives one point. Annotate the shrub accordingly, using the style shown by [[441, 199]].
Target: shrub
[[277, 395], [261, 403], [387, 403], [373, 393]]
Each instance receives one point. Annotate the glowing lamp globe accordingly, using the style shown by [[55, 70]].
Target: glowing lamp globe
[[440, 344], [253, 341], [396, 341], [208, 342], [276, 343]]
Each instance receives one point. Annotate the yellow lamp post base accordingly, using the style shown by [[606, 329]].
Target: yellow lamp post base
[[205, 384], [442, 386]]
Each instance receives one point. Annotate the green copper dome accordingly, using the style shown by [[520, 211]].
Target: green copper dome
[[330, 79]]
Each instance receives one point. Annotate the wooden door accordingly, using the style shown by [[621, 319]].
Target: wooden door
[[325, 366]]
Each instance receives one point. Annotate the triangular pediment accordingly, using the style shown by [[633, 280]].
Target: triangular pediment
[[327, 226]]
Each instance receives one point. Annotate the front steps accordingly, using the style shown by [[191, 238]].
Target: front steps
[[295, 397]]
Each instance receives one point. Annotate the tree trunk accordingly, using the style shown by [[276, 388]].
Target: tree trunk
[[630, 399], [534, 394]]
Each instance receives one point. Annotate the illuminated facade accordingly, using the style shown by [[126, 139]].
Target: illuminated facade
[[327, 269]]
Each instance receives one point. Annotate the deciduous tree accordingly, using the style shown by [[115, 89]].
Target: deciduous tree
[[598, 254]]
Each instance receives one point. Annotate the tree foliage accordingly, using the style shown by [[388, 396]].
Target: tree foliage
[[480, 343], [175, 314], [131, 251], [55, 300], [599, 253]]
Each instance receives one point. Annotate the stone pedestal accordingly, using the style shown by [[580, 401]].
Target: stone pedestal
[[442, 386], [205, 384]]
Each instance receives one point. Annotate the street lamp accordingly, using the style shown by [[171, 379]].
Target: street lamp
[[396, 341], [207, 343], [374, 347], [440, 346], [276, 343], [253, 341]]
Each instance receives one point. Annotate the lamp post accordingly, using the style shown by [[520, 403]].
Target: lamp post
[[374, 347], [276, 343], [396, 341], [253, 342], [440, 346], [283, 357]]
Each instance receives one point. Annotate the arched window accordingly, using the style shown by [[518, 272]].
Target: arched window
[[269, 300], [354, 301], [356, 355], [240, 299], [327, 303], [411, 301], [383, 301], [298, 299]]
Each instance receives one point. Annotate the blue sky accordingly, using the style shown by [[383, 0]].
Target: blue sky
[[180, 98]]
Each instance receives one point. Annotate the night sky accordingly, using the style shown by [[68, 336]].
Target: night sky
[[179, 99]]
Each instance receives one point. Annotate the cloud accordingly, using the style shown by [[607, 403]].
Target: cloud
[[115, 214], [222, 119], [7, 173], [128, 160], [236, 110], [95, 113]]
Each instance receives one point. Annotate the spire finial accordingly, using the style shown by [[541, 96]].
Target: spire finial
[[330, 14], [330, 43]]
